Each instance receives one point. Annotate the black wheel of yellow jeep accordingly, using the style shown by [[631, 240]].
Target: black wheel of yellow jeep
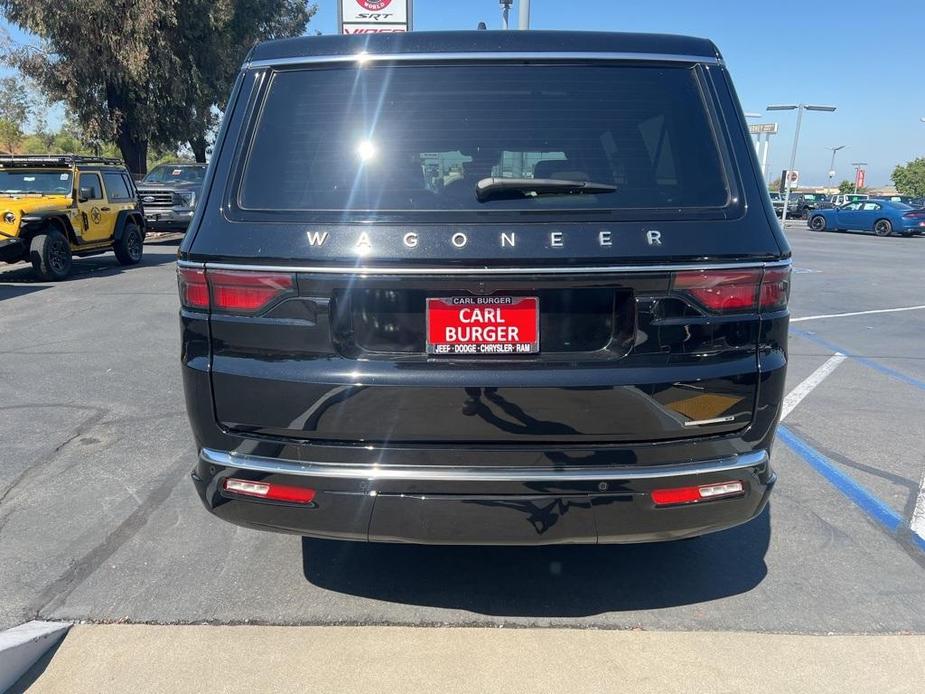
[[130, 247], [50, 254]]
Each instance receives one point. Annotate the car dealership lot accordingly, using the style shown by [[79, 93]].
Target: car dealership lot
[[99, 521]]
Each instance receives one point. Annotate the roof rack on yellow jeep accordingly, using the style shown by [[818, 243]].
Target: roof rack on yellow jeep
[[55, 160]]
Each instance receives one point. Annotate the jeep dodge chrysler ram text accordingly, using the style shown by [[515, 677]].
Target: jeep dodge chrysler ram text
[[484, 288]]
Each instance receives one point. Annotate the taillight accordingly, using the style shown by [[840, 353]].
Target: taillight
[[246, 292], [915, 214], [691, 495], [271, 491], [775, 288], [194, 292], [231, 291], [735, 291]]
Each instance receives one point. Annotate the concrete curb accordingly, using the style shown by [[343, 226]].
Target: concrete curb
[[21, 646], [157, 659]]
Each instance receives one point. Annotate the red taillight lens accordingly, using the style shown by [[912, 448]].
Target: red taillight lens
[[194, 292], [736, 291], [915, 214], [234, 292], [721, 291], [775, 288], [246, 292], [266, 490], [691, 495]]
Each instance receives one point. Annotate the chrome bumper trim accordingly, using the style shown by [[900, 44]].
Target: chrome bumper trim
[[478, 474]]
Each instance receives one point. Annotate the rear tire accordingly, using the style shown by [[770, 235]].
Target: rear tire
[[50, 254], [817, 223], [130, 247], [883, 227]]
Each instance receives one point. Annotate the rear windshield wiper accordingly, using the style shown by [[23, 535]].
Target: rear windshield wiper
[[511, 188]]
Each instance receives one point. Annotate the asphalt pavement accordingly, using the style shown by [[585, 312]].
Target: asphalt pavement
[[99, 520]]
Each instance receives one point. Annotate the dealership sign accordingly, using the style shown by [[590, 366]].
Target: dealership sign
[[761, 128], [373, 16]]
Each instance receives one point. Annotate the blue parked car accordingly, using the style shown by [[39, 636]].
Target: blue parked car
[[883, 217]]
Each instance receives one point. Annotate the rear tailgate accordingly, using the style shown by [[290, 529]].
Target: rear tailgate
[[623, 357]]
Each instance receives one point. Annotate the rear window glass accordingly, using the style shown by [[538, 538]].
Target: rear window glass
[[420, 138], [116, 187]]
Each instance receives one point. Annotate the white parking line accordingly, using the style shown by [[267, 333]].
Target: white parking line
[[918, 515], [858, 313], [795, 396]]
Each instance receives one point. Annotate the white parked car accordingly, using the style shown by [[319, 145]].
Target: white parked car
[[843, 198]]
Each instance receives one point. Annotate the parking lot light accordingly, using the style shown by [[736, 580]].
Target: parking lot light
[[799, 108], [832, 163]]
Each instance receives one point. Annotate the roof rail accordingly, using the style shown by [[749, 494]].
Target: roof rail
[[56, 160]]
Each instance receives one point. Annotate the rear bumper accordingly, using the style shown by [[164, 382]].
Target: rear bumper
[[440, 504]]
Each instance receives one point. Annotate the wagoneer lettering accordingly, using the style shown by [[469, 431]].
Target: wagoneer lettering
[[433, 320]]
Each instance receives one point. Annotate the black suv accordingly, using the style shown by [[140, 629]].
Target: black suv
[[169, 194], [801, 204], [485, 288]]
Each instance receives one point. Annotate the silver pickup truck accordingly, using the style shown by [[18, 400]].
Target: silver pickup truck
[[168, 195]]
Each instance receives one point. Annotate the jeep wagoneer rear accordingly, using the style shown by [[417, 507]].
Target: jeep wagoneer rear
[[484, 288]]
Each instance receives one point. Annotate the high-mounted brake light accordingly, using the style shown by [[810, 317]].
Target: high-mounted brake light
[[231, 291], [267, 490], [692, 495], [736, 291]]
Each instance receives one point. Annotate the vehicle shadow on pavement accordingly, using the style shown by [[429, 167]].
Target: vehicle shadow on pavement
[[105, 266], [13, 291], [550, 581]]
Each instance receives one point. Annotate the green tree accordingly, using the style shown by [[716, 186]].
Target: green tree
[[216, 44], [147, 73], [846, 186], [909, 178], [15, 110]]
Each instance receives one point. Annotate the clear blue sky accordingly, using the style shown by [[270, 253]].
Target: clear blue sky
[[865, 58]]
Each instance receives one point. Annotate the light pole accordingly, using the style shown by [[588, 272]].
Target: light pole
[[857, 167], [505, 10], [799, 108], [523, 14], [832, 163], [762, 151]]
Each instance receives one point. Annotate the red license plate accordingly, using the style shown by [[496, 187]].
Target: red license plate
[[483, 325]]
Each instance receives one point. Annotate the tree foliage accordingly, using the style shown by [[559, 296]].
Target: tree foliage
[[15, 110], [146, 73], [909, 178]]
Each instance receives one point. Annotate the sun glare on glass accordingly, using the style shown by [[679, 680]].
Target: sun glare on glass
[[366, 150]]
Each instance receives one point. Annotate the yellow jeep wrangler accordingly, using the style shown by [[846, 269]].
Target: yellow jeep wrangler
[[55, 207]]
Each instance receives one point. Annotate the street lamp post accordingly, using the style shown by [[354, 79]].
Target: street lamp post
[[857, 167], [505, 11], [832, 163], [799, 108], [523, 8]]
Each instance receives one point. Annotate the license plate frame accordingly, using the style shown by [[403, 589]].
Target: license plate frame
[[523, 312]]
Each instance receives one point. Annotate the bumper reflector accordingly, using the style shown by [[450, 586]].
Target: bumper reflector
[[266, 490], [691, 495]]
